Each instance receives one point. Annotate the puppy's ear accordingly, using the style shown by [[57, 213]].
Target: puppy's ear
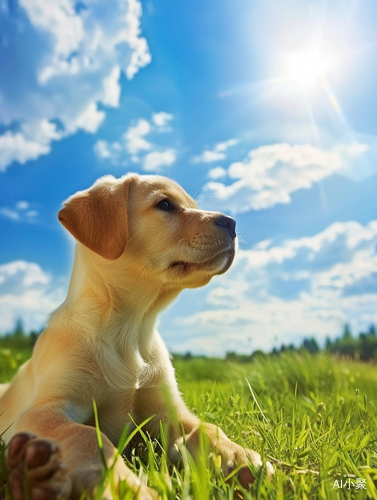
[[97, 217]]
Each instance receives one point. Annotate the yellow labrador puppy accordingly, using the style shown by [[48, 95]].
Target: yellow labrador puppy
[[141, 240]]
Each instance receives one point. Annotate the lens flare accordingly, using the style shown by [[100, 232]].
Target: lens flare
[[305, 68]]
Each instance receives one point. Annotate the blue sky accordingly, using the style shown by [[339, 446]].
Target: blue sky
[[265, 110]]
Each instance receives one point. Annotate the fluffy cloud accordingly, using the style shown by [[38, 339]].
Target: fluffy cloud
[[111, 88], [153, 162], [108, 151], [216, 173], [27, 144], [27, 292], [162, 119], [15, 147], [136, 142], [279, 294], [215, 154], [60, 60], [22, 211], [328, 262], [271, 173], [134, 137]]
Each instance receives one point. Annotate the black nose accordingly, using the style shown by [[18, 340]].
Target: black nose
[[228, 223]]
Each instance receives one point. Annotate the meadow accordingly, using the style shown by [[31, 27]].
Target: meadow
[[313, 417]]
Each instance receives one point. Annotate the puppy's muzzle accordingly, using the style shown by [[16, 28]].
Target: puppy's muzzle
[[228, 224]]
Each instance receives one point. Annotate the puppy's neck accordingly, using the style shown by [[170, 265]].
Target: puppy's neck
[[113, 296]]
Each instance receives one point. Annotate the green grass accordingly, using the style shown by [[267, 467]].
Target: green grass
[[313, 417]]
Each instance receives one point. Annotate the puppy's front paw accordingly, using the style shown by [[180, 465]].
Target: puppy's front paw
[[231, 454], [235, 456], [36, 471]]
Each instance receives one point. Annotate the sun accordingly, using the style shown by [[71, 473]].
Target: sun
[[305, 68]]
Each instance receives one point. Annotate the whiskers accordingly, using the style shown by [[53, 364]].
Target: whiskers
[[241, 239], [183, 241], [207, 195], [238, 266]]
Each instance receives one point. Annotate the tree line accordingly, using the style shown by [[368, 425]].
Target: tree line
[[18, 338], [362, 346]]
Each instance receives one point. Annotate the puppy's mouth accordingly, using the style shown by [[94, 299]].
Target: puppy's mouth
[[186, 266], [217, 264]]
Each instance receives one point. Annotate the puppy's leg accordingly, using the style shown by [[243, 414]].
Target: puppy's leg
[[50, 457], [165, 402], [3, 389], [232, 454]]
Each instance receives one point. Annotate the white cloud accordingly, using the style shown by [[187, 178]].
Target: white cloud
[[111, 87], [140, 55], [102, 150], [29, 272], [134, 137], [108, 151], [223, 146], [31, 141], [69, 59], [20, 212], [215, 154], [22, 205], [134, 142], [153, 161], [89, 120], [305, 287], [59, 20], [15, 147], [209, 157], [216, 173], [31, 214], [161, 119], [358, 167], [27, 292], [271, 173], [8, 213]]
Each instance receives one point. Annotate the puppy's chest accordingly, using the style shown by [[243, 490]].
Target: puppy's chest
[[116, 377], [116, 400], [123, 372]]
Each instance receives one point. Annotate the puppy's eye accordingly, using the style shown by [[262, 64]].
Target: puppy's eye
[[165, 205]]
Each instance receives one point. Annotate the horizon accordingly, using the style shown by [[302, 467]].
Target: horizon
[[263, 111]]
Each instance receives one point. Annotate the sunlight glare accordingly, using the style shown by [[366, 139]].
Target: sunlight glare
[[306, 68]]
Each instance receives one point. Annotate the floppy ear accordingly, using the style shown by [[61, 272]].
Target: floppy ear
[[97, 217]]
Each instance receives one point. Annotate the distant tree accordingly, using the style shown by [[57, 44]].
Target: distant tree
[[348, 346], [34, 337], [347, 334], [18, 338], [310, 345], [372, 331], [258, 355], [231, 356], [367, 346], [18, 329], [328, 344]]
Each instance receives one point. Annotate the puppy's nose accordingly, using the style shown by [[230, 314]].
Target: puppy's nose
[[228, 223]]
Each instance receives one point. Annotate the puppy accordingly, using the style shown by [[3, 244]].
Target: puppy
[[141, 240]]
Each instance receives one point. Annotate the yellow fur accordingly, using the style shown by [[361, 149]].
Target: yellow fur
[[101, 343]]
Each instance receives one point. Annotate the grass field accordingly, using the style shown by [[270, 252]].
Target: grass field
[[313, 417]]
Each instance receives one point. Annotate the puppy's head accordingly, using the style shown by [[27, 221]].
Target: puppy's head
[[151, 223]]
